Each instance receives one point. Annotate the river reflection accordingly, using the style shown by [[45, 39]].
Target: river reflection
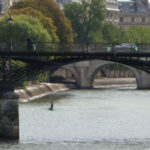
[[114, 118]]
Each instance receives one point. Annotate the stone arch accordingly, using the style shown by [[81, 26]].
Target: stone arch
[[85, 71], [142, 77], [102, 64], [72, 69]]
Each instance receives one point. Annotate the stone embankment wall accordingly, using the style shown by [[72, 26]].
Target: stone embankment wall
[[40, 90], [115, 81], [102, 73], [43, 89], [114, 73]]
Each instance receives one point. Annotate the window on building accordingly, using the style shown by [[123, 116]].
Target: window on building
[[131, 4], [132, 10], [116, 15], [132, 19], [59, 1], [107, 14], [143, 19], [111, 14], [121, 19]]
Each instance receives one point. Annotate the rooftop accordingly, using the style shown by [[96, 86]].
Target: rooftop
[[132, 7]]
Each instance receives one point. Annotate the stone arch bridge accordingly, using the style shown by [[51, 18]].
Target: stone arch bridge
[[84, 73]]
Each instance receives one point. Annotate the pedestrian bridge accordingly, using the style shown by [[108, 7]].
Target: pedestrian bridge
[[19, 63]]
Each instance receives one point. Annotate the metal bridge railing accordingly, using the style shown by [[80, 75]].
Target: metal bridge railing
[[74, 47]]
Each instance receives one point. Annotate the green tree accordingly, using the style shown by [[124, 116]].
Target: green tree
[[49, 8], [111, 33], [86, 18], [47, 22], [138, 34], [23, 27]]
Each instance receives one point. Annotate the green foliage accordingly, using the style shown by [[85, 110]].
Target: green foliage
[[86, 18], [41, 77], [21, 28], [138, 34], [49, 8], [24, 85], [111, 33], [47, 22], [97, 37]]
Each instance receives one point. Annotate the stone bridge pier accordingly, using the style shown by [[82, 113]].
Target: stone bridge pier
[[142, 79], [85, 72], [9, 116]]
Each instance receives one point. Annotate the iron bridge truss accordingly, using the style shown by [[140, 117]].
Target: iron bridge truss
[[22, 64]]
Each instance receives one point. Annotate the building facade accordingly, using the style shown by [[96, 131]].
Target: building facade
[[5, 5], [135, 12], [112, 11], [61, 2]]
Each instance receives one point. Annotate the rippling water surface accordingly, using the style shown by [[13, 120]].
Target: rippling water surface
[[114, 118]]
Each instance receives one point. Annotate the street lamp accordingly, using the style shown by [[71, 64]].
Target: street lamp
[[7, 60], [10, 19]]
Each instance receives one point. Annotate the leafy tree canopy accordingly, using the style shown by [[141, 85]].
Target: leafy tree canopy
[[47, 22], [21, 28], [50, 9], [111, 33], [138, 34], [86, 18]]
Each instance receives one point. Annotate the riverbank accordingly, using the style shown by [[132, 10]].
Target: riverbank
[[114, 81], [43, 89], [40, 90]]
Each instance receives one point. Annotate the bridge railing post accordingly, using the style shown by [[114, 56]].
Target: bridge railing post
[[113, 49]]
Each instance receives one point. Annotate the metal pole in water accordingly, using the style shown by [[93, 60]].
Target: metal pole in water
[[52, 105]]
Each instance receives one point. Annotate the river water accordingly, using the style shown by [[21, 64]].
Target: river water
[[106, 118]]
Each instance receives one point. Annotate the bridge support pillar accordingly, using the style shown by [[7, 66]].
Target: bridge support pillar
[[82, 75], [143, 79], [9, 116], [83, 80]]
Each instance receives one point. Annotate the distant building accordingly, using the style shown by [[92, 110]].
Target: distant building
[[61, 2], [134, 12], [111, 11], [5, 5]]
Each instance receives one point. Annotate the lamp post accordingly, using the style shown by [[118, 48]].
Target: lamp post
[[9, 30], [7, 60]]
